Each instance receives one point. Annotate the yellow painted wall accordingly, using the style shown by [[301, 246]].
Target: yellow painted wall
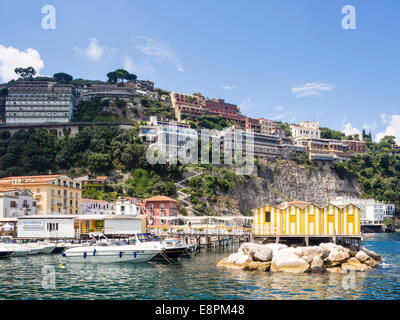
[[311, 220]]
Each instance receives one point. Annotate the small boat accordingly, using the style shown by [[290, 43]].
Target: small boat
[[111, 253]]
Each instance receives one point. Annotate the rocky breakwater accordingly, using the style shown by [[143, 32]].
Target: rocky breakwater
[[274, 257]]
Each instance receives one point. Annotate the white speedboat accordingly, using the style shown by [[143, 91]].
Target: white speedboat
[[112, 253]]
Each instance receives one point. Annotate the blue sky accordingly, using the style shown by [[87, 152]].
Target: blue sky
[[278, 59]]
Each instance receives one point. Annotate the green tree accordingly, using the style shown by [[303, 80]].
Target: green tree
[[25, 73], [99, 162], [63, 77]]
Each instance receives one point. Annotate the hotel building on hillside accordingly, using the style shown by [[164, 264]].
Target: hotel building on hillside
[[54, 194], [171, 139], [306, 129], [372, 212], [36, 102], [325, 149], [355, 147], [187, 105], [269, 127], [110, 91]]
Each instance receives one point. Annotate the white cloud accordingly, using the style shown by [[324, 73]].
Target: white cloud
[[392, 129], [142, 68], [283, 115], [159, 50], [311, 89], [245, 105], [350, 130], [228, 88], [279, 108], [94, 51], [370, 126], [11, 58]]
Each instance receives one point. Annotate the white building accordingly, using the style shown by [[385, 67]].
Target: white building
[[93, 206], [372, 212], [306, 129], [46, 227], [124, 225], [35, 102], [127, 206], [170, 139], [17, 202]]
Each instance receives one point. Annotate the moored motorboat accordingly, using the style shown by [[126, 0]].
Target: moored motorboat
[[111, 253]]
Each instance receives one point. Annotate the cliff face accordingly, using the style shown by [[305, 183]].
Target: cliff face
[[281, 181]]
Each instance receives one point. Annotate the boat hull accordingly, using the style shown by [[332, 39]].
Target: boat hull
[[108, 255], [170, 253], [5, 253]]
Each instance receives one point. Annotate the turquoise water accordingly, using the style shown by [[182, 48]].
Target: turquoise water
[[195, 278]]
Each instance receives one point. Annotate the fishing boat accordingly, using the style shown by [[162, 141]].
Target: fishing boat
[[40, 248], [111, 253]]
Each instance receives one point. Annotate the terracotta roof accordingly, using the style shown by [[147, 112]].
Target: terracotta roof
[[160, 198], [102, 178], [29, 179]]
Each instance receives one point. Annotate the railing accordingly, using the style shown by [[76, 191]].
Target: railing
[[212, 230]]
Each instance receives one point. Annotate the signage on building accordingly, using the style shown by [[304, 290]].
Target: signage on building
[[32, 224]]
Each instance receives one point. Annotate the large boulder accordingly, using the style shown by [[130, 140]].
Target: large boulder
[[366, 259], [233, 257], [336, 258], [242, 263], [372, 254], [317, 265], [275, 247], [260, 266], [289, 262], [354, 264], [246, 247], [258, 252], [315, 251], [331, 246], [261, 253]]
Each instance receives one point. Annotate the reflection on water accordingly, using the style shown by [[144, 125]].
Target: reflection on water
[[196, 278]]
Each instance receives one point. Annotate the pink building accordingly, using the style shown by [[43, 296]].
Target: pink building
[[158, 207]]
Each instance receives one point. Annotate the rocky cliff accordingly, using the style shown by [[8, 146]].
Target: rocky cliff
[[276, 182]]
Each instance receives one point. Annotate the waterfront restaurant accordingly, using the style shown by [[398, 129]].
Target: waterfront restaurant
[[301, 219]]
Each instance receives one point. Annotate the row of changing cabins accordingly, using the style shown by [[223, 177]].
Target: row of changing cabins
[[304, 220]]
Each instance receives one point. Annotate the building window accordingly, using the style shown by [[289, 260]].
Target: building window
[[13, 204], [267, 216]]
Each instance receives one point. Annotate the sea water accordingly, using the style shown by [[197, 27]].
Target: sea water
[[51, 277]]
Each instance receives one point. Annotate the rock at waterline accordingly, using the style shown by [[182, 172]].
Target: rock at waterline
[[318, 265], [366, 259], [354, 264], [327, 257], [289, 262], [336, 257], [372, 254]]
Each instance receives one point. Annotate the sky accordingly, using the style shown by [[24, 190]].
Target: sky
[[277, 59]]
